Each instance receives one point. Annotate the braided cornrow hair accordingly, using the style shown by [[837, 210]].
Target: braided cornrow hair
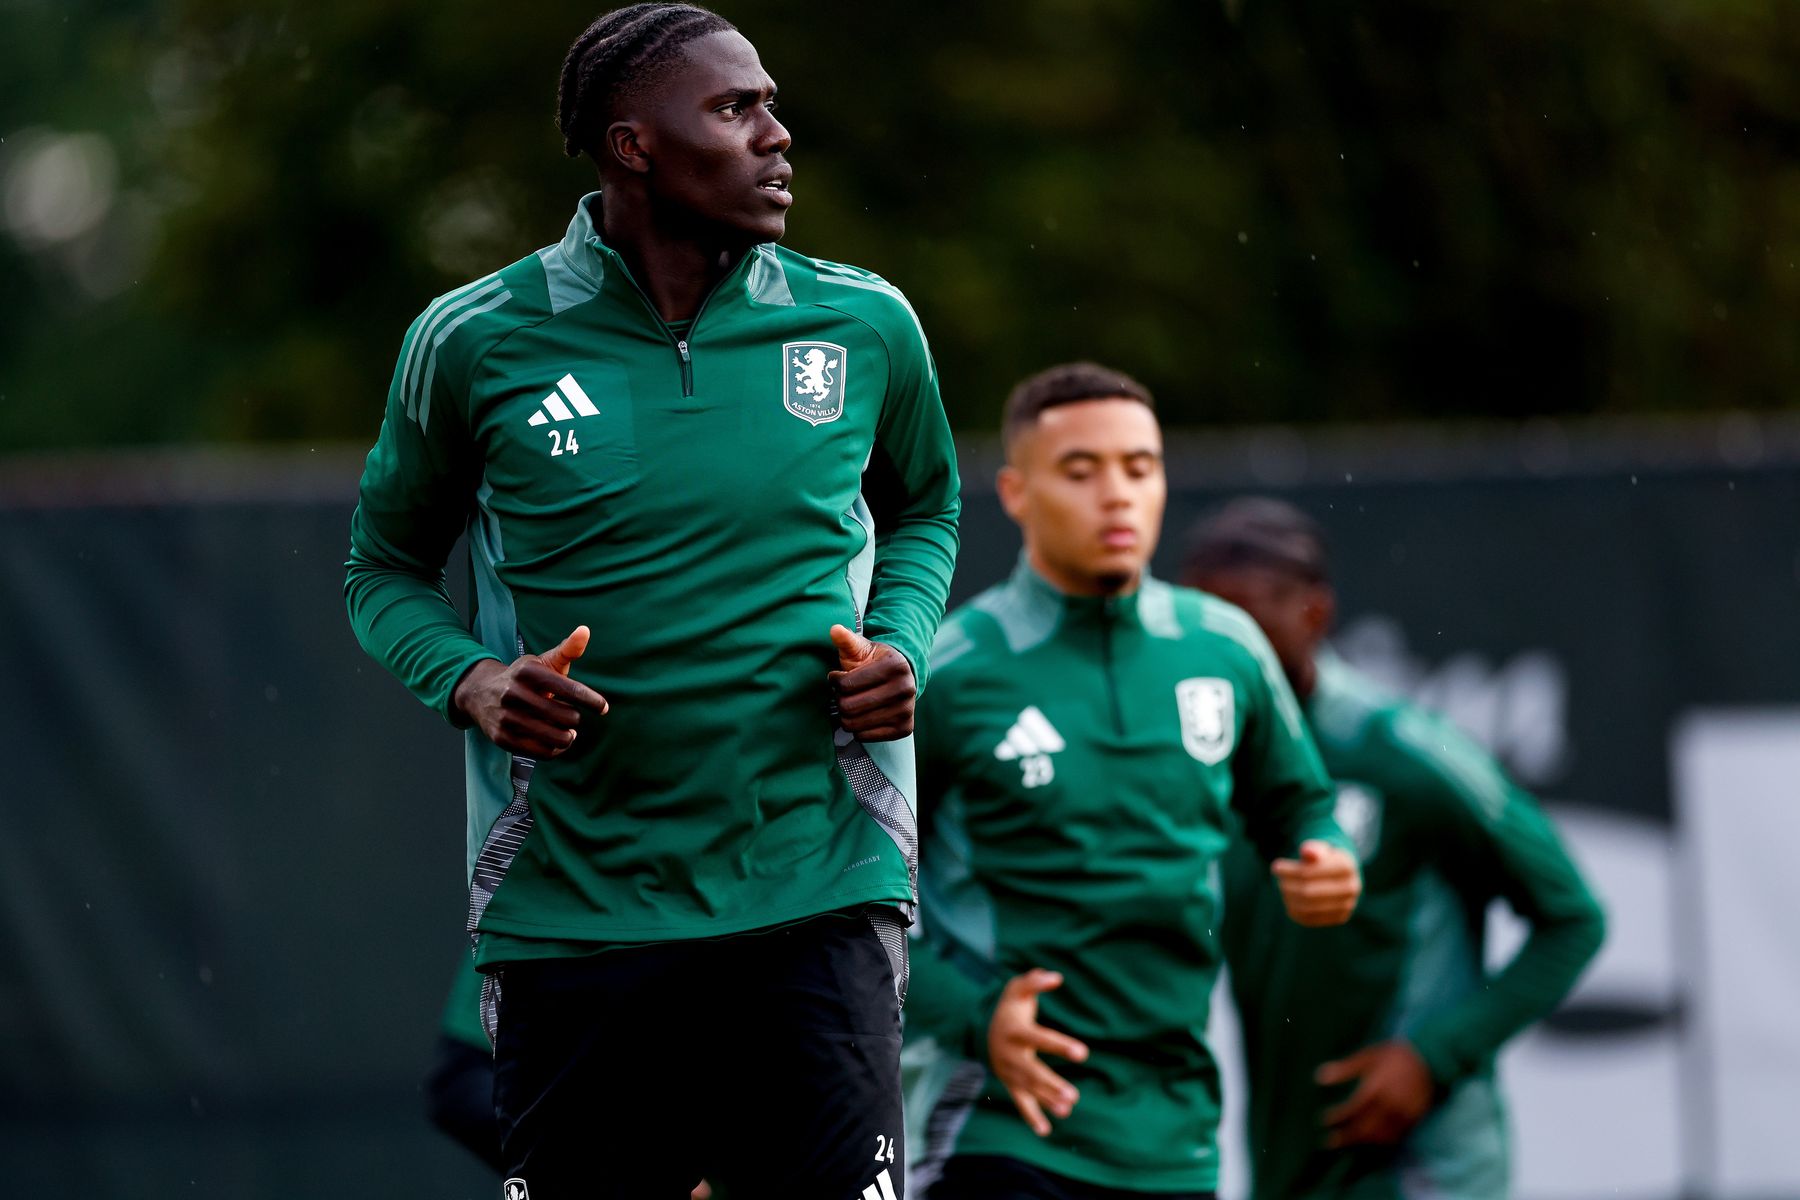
[[624, 49]]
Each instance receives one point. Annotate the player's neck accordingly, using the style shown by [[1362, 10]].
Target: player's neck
[[1303, 677], [1076, 583], [676, 265]]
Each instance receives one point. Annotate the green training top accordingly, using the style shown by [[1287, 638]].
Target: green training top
[[1441, 833], [710, 504], [1077, 760]]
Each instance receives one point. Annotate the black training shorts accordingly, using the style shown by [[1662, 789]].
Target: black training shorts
[[767, 1063]]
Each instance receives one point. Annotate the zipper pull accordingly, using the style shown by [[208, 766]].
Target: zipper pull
[[681, 348]]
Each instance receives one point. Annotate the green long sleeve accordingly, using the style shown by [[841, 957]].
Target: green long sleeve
[[415, 497], [1497, 841], [911, 488], [709, 504]]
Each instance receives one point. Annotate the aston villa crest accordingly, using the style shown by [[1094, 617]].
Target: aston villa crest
[[1208, 718], [1358, 813], [812, 380]]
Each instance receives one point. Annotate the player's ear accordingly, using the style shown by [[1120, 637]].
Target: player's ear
[[1321, 611], [1010, 484], [625, 146]]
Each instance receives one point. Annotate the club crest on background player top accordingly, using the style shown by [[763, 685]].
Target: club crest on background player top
[[1207, 713], [812, 380], [1358, 814]]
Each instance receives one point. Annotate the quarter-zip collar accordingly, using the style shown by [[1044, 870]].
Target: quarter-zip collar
[[589, 256], [592, 260], [581, 245], [1103, 619], [1040, 595]]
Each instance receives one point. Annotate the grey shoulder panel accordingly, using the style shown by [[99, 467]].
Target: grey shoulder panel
[[442, 318], [1343, 703], [1027, 618], [1158, 609], [768, 282], [565, 286]]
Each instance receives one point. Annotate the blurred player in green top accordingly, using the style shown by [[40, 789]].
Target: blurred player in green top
[[1090, 730], [1370, 1047]]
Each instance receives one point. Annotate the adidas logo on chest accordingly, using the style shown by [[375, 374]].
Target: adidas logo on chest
[[568, 402], [1030, 742]]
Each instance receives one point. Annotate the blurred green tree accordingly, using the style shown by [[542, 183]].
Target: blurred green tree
[[219, 218]]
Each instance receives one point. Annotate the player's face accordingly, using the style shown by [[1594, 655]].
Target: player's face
[[1294, 613], [1086, 486], [716, 150]]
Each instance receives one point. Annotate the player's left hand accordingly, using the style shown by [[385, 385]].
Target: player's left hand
[[875, 687], [1320, 887], [1393, 1093]]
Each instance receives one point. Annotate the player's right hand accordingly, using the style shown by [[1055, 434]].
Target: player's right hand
[[530, 707], [1321, 886], [1014, 1040]]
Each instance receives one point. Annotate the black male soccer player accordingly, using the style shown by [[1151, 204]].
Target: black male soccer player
[[1387, 1089], [710, 482], [1089, 731]]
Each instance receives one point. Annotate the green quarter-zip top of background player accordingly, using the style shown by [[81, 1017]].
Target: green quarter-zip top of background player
[[1389, 1091], [1089, 731]]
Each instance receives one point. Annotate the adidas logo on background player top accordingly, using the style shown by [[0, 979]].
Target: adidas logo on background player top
[[557, 410], [1031, 740], [881, 1189]]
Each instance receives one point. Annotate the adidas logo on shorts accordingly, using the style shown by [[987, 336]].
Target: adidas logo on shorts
[[885, 1183]]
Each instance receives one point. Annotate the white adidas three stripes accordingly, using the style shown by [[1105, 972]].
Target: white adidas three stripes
[[553, 403]]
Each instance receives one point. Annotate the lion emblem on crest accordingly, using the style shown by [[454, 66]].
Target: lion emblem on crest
[[813, 380], [814, 373]]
